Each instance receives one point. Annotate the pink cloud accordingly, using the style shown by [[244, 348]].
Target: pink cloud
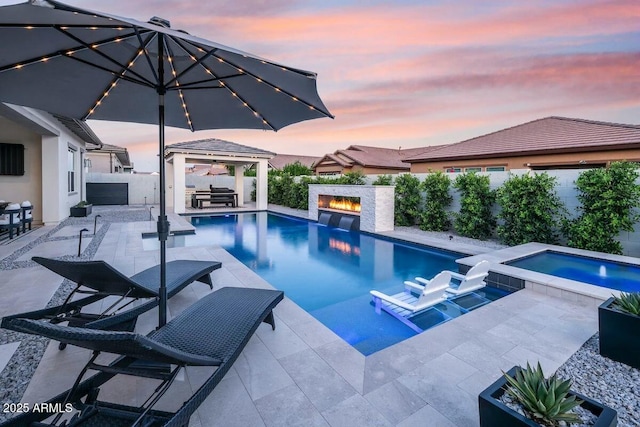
[[412, 75]]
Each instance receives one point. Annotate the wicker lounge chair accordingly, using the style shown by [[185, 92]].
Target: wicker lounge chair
[[101, 281], [211, 332]]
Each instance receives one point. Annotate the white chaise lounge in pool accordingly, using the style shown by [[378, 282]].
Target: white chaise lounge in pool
[[472, 281], [405, 304]]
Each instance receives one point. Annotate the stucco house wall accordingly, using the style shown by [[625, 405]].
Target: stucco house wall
[[530, 161], [47, 142]]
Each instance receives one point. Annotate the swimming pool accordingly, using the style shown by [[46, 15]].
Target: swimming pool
[[608, 274], [329, 272]]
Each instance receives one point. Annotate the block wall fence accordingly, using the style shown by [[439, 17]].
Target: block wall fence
[[565, 188], [141, 186]]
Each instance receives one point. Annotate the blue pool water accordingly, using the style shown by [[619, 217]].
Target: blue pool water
[[623, 277], [329, 272]]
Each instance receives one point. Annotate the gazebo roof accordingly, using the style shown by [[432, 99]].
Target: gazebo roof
[[218, 147]]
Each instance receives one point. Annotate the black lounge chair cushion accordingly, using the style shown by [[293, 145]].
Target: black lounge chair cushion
[[209, 332], [105, 279]]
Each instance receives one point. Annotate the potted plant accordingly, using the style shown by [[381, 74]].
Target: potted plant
[[619, 325], [81, 209], [542, 402]]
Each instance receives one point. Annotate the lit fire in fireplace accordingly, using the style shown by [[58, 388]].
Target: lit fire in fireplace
[[344, 205]]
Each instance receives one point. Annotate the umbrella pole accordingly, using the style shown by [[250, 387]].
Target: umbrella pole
[[163, 223]]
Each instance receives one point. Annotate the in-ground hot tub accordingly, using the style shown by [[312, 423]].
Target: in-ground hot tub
[[577, 275], [600, 272]]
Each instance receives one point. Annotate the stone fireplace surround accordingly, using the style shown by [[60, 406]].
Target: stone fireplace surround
[[377, 203]]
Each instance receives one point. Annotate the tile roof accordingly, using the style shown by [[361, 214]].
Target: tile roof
[[121, 153], [80, 128], [390, 158], [366, 156], [281, 160], [547, 135], [218, 146]]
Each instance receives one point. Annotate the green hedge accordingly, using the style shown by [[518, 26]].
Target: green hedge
[[434, 216], [407, 200], [284, 190], [609, 198], [531, 210], [475, 219]]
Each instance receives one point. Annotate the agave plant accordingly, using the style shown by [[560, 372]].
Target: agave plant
[[545, 401], [629, 302]]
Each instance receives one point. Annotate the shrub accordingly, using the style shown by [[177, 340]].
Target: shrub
[[608, 198], [546, 401], [296, 169], [434, 215], [474, 219], [284, 190], [300, 193], [383, 180], [530, 209], [352, 178], [407, 199], [628, 302]]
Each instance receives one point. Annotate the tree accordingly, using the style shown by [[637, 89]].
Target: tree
[[383, 180], [530, 209], [407, 200], [608, 198], [296, 169], [475, 219], [437, 198]]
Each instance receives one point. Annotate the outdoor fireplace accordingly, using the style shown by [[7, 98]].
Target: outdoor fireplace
[[353, 207], [349, 205]]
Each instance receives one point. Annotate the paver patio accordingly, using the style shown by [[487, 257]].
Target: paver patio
[[304, 374]]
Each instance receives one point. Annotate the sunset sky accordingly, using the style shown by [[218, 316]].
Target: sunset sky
[[413, 73]]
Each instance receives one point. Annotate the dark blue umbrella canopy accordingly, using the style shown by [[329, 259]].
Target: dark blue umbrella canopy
[[91, 65]]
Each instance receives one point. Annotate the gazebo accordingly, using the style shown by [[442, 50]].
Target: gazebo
[[212, 151]]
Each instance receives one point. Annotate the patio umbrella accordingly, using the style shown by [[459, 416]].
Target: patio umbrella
[[91, 65]]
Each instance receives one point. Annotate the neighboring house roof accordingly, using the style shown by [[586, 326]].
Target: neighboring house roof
[[375, 157], [120, 152], [214, 145], [198, 170], [80, 128], [332, 158], [204, 170], [281, 160], [547, 135]]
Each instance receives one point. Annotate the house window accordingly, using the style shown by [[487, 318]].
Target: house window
[[495, 168], [71, 170], [11, 159], [452, 170], [473, 169]]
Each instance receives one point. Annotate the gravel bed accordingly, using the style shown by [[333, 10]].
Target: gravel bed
[[612, 383], [15, 377], [446, 235]]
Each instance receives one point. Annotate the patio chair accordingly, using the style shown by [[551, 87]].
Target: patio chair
[[405, 305], [211, 332], [101, 281], [472, 281], [10, 220], [27, 215]]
